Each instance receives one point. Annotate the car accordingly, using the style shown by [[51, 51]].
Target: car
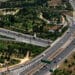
[[59, 58], [55, 62]]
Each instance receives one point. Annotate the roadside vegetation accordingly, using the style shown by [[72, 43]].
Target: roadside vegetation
[[67, 67], [27, 20], [12, 51]]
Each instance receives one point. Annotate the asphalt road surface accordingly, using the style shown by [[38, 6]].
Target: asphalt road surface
[[25, 38], [23, 69], [47, 53], [55, 62]]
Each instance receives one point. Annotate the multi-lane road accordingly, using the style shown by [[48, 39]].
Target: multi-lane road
[[24, 69], [56, 46], [56, 61], [19, 37]]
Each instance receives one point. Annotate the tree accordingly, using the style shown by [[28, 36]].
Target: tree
[[65, 61], [61, 72]]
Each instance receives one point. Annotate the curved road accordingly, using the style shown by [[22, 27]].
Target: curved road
[[23, 69]]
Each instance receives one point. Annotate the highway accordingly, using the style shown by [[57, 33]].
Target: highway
[[19, 37], [25, 68], [56, 61], [63, 54]]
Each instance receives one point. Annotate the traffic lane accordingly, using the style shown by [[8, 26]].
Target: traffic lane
[[37, 62], [62, 55], [56, 60], [43, 71], [26, 67], [22, 70], [63, 40], [49, 54], [17, 34], [25, 40], [32, 66], [52, 49], [56, 46], [32, 42]]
